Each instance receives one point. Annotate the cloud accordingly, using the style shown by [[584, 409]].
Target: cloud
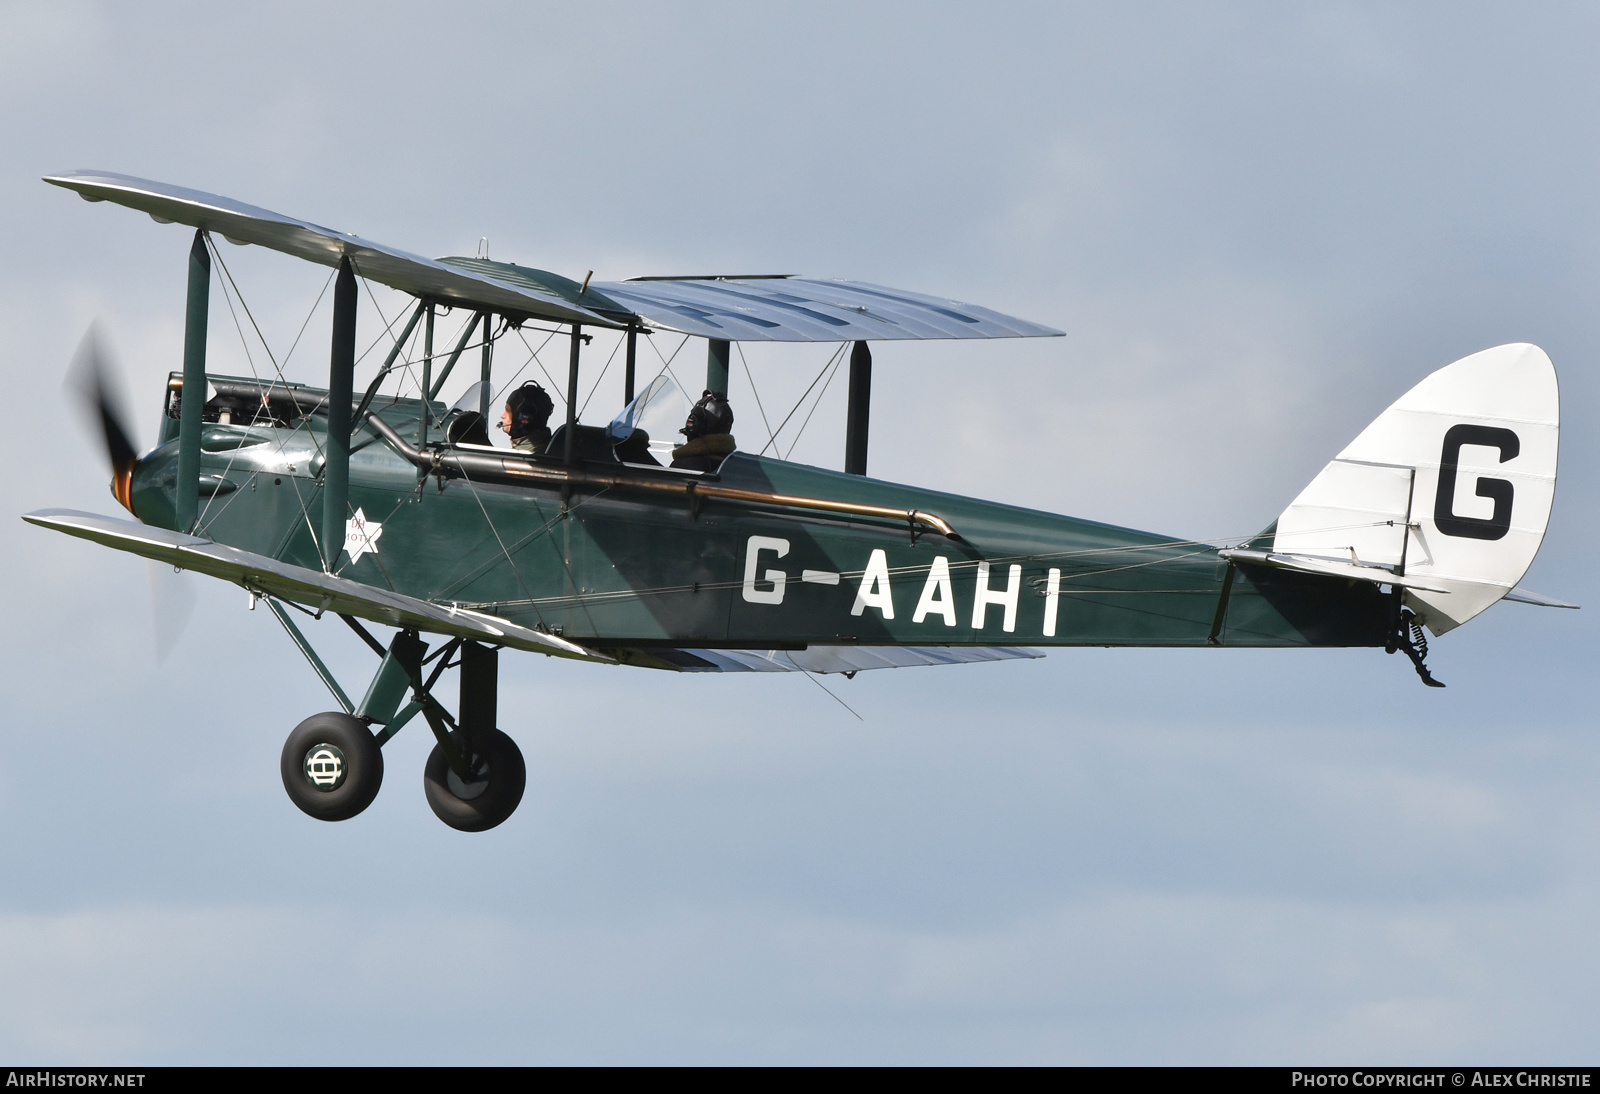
[[41, 44], [1113, 977]]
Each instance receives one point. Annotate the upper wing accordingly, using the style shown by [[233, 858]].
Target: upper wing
[[736, 309], [241, 223], [312, 588], [800, 309]]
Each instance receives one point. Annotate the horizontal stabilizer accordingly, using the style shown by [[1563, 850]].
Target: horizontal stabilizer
[[311, 588], [821, 659], [1523, 596], [1378, 575]]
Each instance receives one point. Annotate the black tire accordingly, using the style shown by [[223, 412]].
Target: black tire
[[492, 799], [332, 766]]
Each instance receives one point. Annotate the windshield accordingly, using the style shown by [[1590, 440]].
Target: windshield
[[658, 410], [475, 397]]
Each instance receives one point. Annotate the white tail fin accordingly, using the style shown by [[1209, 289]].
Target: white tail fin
[[1451, 486]]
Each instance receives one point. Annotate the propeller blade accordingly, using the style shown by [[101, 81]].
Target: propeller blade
[[172, 601], [92, 379]]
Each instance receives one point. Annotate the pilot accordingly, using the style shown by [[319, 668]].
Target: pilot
[[708, 432], [526, 418]]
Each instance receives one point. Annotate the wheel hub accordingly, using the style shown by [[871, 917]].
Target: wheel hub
[[468, 789], [324, 767]]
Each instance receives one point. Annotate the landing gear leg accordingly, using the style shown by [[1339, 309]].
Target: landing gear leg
[[1406, 634], [475, 775], [332, 764]]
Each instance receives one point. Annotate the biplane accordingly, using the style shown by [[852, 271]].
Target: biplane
[[381, 507]]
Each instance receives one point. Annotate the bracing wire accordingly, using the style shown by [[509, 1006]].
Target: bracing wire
[[515, 548], [388, 324], [226, 281], [314, 306], [801, 401], [597, 379], [813, 678], [764, 423], [838, 360], [1202, 548], [533, 356], [502, 543], [666, 363]]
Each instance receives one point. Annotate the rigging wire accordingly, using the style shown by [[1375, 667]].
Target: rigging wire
[[266, 348], [597, 379], [838, 360], [533, 358], [1202, 547], [314, 305], [228, 297], [200, 520], [388, 324], [515, 548], [813, 678], [666, 364], [764, 423], [705, 586], [801, 401], [501, 541]]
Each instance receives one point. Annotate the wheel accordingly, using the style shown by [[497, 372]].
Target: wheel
[[332, 766], [478, 804]]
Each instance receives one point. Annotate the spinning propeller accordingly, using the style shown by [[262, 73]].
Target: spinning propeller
[[94, 380], [90, 377]]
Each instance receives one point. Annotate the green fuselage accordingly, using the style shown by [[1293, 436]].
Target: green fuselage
[[641, 560]]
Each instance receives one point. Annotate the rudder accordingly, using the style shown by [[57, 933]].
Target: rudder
[[1449, 488]]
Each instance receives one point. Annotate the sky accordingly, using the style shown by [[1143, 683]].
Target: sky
[[1258, 225]]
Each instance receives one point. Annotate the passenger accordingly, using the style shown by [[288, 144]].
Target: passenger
[[526, 417], [709, 433]]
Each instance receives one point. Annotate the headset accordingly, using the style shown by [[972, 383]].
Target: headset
[[711, 414], [530, 407]]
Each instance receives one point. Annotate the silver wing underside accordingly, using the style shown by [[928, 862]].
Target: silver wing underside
[[800, 309], [783, 309], [840, 659], [310, 588], [241, 223]]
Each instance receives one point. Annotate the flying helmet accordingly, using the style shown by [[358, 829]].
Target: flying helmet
[[711, 414], [530, 407]]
